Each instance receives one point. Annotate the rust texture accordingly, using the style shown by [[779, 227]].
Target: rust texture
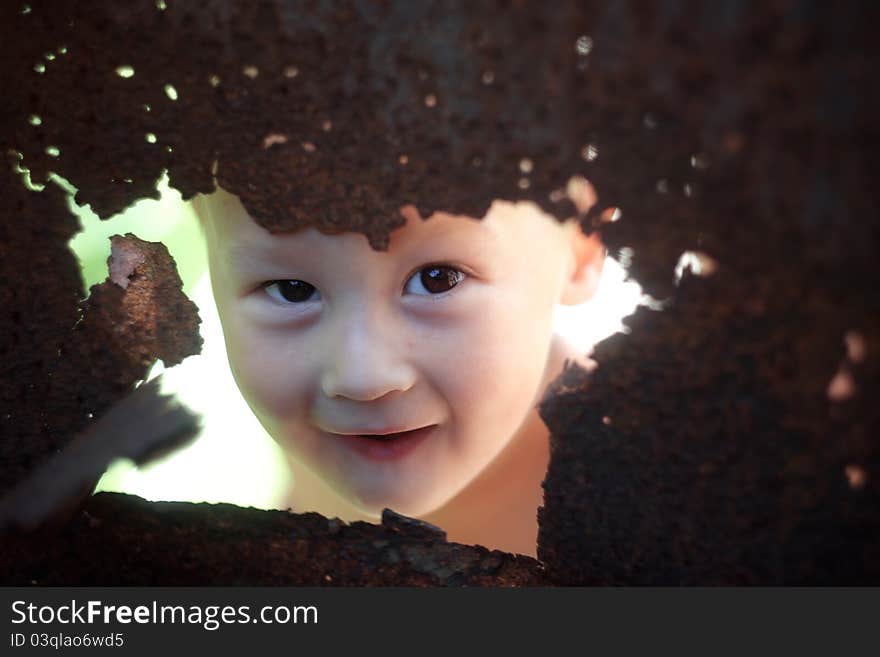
[[729, 438], [67, 361], [273, 548]]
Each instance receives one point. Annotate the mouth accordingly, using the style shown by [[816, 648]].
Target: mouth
[[389, 436], [388, 446]]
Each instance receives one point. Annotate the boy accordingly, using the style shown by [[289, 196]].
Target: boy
[[408, 378]]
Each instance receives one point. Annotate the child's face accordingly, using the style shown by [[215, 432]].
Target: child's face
[[449, 329]]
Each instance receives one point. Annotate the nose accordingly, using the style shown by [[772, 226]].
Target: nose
[[367, 359]]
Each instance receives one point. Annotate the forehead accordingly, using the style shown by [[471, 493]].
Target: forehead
[[506, 227]]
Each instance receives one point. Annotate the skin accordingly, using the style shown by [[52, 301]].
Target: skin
[[373, 348]]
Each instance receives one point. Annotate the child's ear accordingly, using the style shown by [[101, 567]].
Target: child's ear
[[587, 256]]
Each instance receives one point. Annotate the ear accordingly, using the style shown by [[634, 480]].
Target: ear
[[587, 256]]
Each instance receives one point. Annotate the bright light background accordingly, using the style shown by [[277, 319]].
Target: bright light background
[[234, 460]]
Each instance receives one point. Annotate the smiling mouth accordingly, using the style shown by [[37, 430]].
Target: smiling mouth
[[384, 437], [387, 447]]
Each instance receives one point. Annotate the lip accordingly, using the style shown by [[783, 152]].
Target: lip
[[386, 449], [380, 432]]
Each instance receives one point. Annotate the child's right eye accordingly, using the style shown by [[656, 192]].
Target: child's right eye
[[290, 291]]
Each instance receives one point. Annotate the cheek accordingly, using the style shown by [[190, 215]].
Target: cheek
[[494, 364], [268, 370]]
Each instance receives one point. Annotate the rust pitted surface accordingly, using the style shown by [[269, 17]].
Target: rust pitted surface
[[666, 471], [730, 438], [142, 309], [337, 115], [67, 361], [124, 331], [39, 296], [163, 543]]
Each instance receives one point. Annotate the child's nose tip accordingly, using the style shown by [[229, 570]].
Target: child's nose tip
[[366, 385], [367, 377], [366, 360]]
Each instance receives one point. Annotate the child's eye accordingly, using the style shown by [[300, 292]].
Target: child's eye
[[434, 279], [430, 280], [292, 291]]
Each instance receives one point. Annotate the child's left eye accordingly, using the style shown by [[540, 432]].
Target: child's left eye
[[434, 280]]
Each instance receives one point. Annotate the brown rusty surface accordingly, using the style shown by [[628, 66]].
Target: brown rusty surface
[[166, 543], [39, 305], [66, 361], [689, 458], [706, 448]]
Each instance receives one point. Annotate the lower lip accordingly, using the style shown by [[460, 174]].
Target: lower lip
[[388, 449]]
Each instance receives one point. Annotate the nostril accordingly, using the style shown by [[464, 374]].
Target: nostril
[[367, 385]]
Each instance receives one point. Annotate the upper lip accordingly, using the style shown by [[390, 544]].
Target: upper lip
[[381, 432]]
